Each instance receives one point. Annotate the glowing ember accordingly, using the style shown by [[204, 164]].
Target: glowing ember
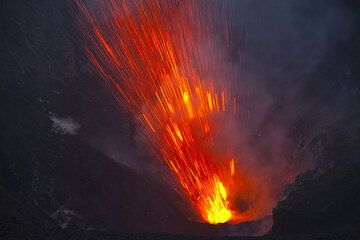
[[148, 51]]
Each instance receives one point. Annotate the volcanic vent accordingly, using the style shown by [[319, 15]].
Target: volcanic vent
[[163, 61]]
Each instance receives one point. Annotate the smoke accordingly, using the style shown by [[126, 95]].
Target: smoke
[[65, 125], [277, 49], [282, 45], [279, 45]]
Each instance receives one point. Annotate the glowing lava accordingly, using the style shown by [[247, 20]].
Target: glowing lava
[[148, 52], [217, 208]]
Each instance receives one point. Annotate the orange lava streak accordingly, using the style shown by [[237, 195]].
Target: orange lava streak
[[148, 50]]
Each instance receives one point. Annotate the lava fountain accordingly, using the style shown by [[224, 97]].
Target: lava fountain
[[147, 52]]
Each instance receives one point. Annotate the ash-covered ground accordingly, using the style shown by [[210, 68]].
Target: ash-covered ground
[[70, 165]]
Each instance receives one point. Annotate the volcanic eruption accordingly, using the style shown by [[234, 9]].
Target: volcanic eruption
[[156, 58]]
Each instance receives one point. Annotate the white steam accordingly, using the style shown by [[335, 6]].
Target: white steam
[[65, 125]]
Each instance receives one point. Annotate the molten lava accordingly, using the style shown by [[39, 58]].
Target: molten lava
[[149, 53]]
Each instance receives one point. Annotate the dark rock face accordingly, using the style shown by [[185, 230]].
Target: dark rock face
[[327, 198], [321, 204]]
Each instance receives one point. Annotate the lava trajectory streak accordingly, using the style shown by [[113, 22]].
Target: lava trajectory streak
[[152, 56]]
